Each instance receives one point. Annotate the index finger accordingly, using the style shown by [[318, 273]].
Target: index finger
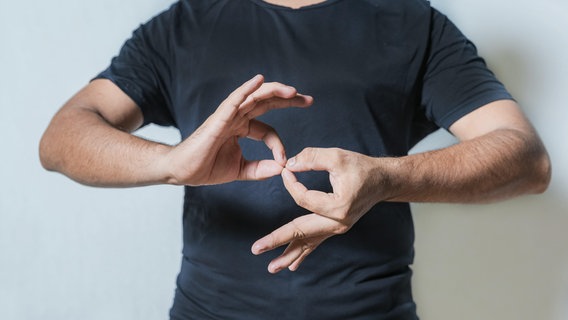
[[298, 101], [311, 225], [261, 131], [318, 159], [230, 106], [265, 92]]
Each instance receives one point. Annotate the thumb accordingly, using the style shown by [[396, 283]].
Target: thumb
[[312, 159]]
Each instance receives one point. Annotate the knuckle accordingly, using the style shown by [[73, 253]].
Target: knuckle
[[310, 154], [301, 201], [274, 84], [297, 233], [340, 157], [307, 247], [235, 98], [308, 150], [273, 242]]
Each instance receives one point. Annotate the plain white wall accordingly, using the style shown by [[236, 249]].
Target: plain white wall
[[74, 252]]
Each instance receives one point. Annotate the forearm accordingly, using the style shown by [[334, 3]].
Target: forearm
[[495, 166], [81, 144], [488, 167]]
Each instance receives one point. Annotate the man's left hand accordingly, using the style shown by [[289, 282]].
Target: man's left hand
[[356, 182]]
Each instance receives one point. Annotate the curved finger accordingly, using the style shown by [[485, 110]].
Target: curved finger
[[265, 92], [262, 107], [231, 105], [259, 169], [313, 200], [294, 266], [318, 159], [295, 254], [262, 132], [315, 243], [307, 226]]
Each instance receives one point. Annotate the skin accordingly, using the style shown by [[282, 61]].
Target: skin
[[499, 156], [89, 139]]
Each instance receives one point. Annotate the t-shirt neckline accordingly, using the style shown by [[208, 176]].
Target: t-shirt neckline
[[285, 8]]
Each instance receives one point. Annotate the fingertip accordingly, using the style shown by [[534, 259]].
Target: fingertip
[[287, 175], [279, 154], [309, 100], [268, 169], [282, 158], [256, 249], [272, 268], [255, 81], [291, 162]]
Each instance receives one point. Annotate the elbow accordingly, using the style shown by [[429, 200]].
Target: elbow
[[541, 173], [46, 153]]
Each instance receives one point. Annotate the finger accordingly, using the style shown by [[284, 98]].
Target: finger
[[295, 254], [313, 200], [265, 92], [259, 170], [296, 264], [311, 225], [318, 159], [261, 131], [231, 105], [315, 243], [262, 107]]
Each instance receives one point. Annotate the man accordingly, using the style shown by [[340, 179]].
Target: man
[[378, 76]]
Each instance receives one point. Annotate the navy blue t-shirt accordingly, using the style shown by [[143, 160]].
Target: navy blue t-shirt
[[383, 73]]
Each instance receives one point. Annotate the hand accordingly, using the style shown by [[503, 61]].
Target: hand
[[357, 183], [212, 155]]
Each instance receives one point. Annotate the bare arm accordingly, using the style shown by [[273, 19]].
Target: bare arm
[[89, 139], [499, 156]]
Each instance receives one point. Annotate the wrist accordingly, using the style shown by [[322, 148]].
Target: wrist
[[388, 178], [161, 167]]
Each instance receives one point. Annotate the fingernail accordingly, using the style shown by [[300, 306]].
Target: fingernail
[[273, 268], [253, 79], [257, 249], [291, 162], [286, 174]]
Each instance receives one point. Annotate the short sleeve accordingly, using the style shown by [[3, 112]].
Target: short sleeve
[[456, 80], [142, 68]]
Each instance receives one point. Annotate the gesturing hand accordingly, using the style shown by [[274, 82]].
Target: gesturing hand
[[357, 183], [212, 155]]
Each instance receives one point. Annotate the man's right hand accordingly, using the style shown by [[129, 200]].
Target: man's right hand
[[212, 155], [89, 139]]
